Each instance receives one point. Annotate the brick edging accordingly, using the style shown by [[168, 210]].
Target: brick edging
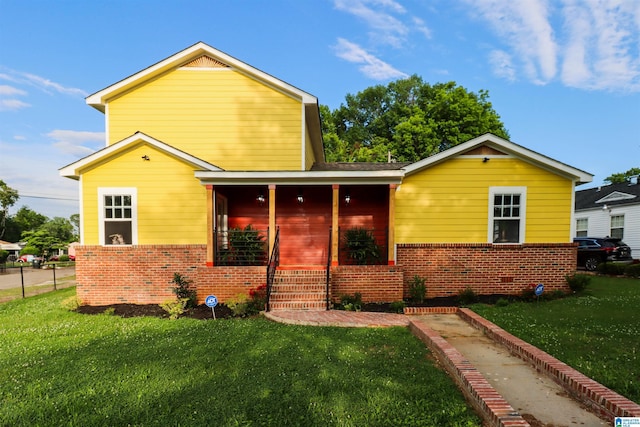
[[600, 399], [493, 408]]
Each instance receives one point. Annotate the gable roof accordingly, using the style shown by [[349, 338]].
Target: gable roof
[[626, 193], [499, 147], [213, 58], [202, 55], [73, 170]]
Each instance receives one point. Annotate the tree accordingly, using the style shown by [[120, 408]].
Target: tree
[[619, 178], [8, 198], [54, 234], [408, 119], [29, 220]]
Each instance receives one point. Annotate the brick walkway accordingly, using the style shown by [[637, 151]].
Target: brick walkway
[[495, 410]]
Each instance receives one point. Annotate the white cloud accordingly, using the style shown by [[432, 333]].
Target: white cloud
[[12, 105], [372, 67], [524, 26], [421, 27], [597, 47], [39, 82], [74, 142], [502, 65], [387, 29], [6, 90]]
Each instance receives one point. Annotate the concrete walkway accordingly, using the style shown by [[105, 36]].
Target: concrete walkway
[[508, 381]]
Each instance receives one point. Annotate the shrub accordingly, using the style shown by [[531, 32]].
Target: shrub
[[467, 296], [351, 303], [611, 268], [183, 290], [63, 258], [238, 305], [247, 246], [257, 299], [175, 307], [361, 247], [70, 303], [3, 256], [578, 282], [397, 306], [417, 289], [632, 270], [502, 302]]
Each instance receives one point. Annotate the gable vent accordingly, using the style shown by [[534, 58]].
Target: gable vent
[[205, 61]]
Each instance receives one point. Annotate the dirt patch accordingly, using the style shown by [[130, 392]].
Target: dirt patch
[[201, 312], [223, 312]]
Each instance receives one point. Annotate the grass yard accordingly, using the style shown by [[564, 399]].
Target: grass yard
[[58, 367], [597, 333]]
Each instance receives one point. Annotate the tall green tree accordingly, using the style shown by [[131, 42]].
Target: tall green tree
[[8, 198], [54, 234], [619, 178], [407, 119]]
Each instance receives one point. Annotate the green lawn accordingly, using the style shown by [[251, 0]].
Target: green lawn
[[62, 368], [597, 333]]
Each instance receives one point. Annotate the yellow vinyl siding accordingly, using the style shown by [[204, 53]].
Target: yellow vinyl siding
[[308, 152], [171, 205], [449, 202], [220, 116]]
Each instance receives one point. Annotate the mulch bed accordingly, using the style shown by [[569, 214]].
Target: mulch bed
[[203, 312]]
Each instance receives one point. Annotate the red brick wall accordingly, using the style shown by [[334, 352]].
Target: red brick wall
[[487, 268], [376, 283], [142, 274]]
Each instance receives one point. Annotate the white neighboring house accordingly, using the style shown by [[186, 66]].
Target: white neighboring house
[[610, 210]]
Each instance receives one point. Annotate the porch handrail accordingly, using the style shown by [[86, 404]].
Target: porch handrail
[[274, 261], [328, 270]]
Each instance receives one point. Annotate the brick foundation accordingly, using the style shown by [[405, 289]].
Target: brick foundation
[[142, 274], [376, 283], [486, 268]]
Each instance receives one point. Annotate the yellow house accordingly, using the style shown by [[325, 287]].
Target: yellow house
[[214, 169]]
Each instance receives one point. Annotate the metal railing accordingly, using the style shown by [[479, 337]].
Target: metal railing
[[240, 246], [274, 261], [363, 246], [329, 269]]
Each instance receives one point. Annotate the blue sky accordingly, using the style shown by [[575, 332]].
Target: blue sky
[[564, 75]]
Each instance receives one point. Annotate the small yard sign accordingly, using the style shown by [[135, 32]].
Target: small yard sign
[[212, 301], [539, 289]]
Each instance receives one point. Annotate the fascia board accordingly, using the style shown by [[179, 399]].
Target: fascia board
[[98, 99], [508, 147], [300, 178], [72, 170]]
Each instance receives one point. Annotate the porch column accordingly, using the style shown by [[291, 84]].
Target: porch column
[[391, 256], [335, 235], [272, 217], [210, 225]]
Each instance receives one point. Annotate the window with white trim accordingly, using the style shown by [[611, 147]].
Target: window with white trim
[[582, 227], [507, 214], [118, 216], [617, 226]]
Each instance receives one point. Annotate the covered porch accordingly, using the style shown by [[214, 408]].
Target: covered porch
[[315, 225]]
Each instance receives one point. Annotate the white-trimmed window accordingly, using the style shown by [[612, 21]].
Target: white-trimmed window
[[617, 226], [118, 216], [582, 227], [507, 207]]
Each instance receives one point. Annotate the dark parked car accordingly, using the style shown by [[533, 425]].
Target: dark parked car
[[594, 250]]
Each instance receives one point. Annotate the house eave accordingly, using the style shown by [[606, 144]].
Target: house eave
[[299, 177], [99, 99], [508, 147]]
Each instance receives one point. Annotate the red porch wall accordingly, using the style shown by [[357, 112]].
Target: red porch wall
[[486, 268], [376, 283], [142, 274]]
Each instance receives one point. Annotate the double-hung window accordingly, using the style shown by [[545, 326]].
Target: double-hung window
[[582, 227], [507, 214], [617, 226], [118, 216]]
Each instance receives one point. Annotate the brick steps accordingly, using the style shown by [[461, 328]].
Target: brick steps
[[299, 289]]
